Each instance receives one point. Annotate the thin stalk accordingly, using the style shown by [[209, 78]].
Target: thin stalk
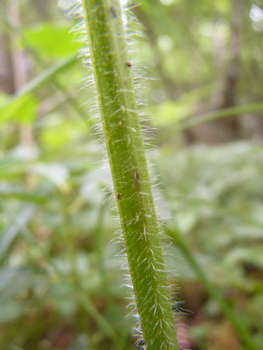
[[241, 330], [189, 122], [40, 80], [124, 143], [222, 113]]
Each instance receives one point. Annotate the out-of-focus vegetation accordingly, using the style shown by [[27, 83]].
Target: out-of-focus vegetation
[[60, 282]]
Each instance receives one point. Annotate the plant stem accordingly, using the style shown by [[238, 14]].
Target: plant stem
[[122, 130]]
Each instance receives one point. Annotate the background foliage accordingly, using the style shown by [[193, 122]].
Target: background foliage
[[59, 277]]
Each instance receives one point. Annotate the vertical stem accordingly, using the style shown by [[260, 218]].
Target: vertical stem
[[121, 125]]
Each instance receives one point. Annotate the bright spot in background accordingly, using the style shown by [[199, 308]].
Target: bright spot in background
[[165, 42], [166, 2], [206, 29], [256, 15], [157, 95], [65, 4]]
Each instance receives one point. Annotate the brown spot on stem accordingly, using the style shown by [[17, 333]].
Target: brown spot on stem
[[113, 11], [137, 180]]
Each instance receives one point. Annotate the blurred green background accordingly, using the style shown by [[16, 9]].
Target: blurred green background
[[60, 280]]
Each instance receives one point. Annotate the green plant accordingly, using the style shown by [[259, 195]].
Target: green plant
[[59, 277], [112, 71]]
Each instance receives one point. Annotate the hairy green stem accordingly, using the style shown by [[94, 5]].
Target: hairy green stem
[[122, 130]]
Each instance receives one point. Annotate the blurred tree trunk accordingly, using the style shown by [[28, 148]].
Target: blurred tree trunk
[[226, 129], [229, 128], [169, 85], [42, 8], [6, 77], [19, 67]]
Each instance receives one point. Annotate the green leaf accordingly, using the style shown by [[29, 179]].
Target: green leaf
[[12, 232], [11, 107], [24, 196], [22, 110], [11, 310], [52, 41], [57, 173]]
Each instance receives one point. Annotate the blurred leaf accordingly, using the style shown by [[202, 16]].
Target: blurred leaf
[[62, 298], [80, 343], [14, 347], [12, 105], [170, 112], [23, 196], [52, 41], [9, 236], [10, 166], [23, 110], [16, 280], [69, 131], [11, 310], [81, 264], [55, 172], [251, 255]]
